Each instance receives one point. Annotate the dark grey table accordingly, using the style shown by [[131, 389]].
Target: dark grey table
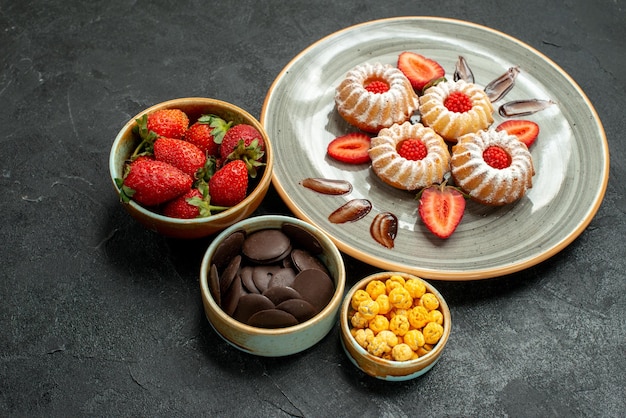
[[101, 317]]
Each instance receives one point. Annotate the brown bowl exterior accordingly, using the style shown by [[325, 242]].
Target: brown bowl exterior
[[387, 369], [125, 143], [281, 341]]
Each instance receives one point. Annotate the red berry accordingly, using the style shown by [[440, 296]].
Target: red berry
[[151, 182], [419, 69], [525, 130], [171, 123], [441, 209], [247, 133], [377, 86], [496, 157], [458, 102], [200, 135], [182, 207], [181, 154], [351, 148], [413, 149], [229, 185]]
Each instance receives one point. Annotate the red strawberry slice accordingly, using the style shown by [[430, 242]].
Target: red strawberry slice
[[441, 209], [419, 69], [525, 130], [351, 148]]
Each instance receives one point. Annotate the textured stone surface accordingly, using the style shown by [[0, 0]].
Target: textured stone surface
[[101, 317]]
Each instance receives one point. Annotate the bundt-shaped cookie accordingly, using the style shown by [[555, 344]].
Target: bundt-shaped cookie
[[371, 111], [472, 167], [455, 108], [404, 173]]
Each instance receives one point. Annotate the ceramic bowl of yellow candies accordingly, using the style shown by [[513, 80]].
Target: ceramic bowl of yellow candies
[[394, 325]]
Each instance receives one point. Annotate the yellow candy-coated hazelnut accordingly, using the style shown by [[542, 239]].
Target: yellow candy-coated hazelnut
[[368, 309], [401, 352], [393, 282], [416, 288], [414, 338], [379, 323], [390, 338], [432, 332], [375, 288], [430, 301], [418, 317], [358, 297], [378, 346], [399, 297], [435, 316], [399, 325], [383, 304], [363, 337], [358, 321]]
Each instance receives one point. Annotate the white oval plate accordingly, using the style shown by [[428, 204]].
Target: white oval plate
[[571, 154]]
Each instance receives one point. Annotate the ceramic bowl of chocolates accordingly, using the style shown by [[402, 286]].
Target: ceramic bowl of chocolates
[[272, 285], [394, 325]]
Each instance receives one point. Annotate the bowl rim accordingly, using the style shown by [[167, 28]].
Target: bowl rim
[[263, 184], [333, 306], [433, 354]]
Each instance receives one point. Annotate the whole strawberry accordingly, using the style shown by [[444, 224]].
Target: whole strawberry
[[150, 182], [171, 123], [229, 184], [244, 132], [207, 133], [193, 204], [244, 142], [181, 154]]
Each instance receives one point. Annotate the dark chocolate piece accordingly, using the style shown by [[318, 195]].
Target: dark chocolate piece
[[299, 308], [246, 279], [230, 299], [266, 246], [303, 260], [302, 238], [214, 285], [283, 277], [228, 275], [262, 276], [272, 318], [315, 286], [230, 247], [250, 304], [280, 294]]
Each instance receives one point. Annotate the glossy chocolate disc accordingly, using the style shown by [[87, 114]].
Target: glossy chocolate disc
[[230, 247], [304, 260], [228, 275], [315, 286], [302, 238], [250, 304], [299, 308], [280, 294], [268, 245], [272, 318]]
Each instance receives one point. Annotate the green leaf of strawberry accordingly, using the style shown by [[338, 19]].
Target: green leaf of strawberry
[[146, 136], [525, 130], [441, 208], [219, 126], [419, 69], [351, 148]]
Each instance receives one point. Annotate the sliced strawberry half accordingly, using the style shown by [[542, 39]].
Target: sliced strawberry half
[[419, 69], [441, 208], [525, 130], [351, 148]]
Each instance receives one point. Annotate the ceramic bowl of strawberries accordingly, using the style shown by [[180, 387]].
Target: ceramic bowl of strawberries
[[191, 167]]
